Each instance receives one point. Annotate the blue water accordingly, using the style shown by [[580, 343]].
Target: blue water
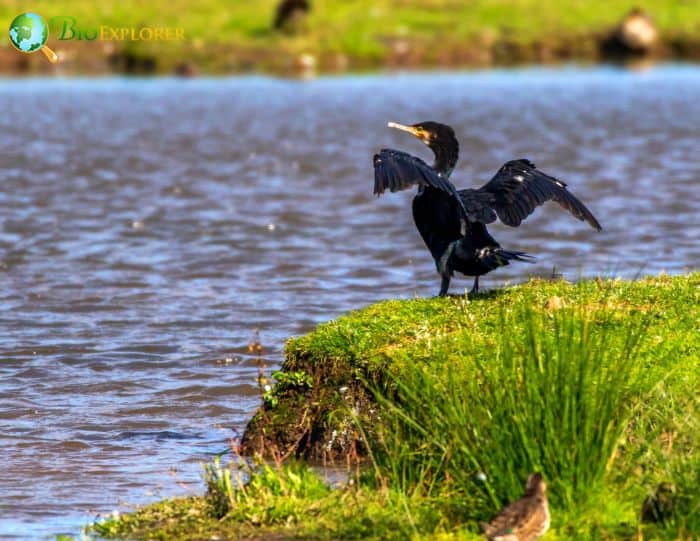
[[149, 228]]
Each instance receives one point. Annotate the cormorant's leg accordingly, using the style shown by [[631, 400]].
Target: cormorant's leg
[[444, 286], [475, 289]]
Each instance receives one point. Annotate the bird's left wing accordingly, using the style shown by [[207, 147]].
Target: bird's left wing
[[516, 190], [395, 171]]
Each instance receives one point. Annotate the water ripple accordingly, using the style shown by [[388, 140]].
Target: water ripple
[[148, 228]]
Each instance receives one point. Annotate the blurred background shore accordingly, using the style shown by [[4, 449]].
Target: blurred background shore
[[288, 36]]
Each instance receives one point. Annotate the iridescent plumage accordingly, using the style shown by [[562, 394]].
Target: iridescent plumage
[[453, 222]]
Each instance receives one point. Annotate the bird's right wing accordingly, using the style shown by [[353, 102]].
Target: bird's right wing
[[395, 171]]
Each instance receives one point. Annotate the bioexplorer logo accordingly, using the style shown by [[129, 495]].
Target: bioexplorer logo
[[68, 28], [29, 32]]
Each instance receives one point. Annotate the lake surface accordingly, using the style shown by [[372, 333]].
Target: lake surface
[[149, 228]]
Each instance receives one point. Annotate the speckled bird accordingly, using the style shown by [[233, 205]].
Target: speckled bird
[[453, 222], [526, 519]]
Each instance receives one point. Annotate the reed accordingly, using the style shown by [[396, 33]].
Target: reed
[[555, 396]]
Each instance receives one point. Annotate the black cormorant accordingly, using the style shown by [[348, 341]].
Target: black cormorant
[[453, 222]]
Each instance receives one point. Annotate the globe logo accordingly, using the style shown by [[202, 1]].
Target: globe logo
[[29, 32]]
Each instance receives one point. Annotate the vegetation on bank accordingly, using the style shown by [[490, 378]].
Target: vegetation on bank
[[454, 401], [233, 36]]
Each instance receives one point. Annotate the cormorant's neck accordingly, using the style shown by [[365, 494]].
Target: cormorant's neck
[[446, 155]]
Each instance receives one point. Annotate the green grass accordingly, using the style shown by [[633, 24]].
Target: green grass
[[363, 30], [559, 398], [594, 384], [555, 399], [290, 502], [348, 22]]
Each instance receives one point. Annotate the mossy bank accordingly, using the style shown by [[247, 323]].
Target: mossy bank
[[452, 402], [323, 394]]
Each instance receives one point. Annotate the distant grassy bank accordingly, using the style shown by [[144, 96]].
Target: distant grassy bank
[[452, 402], [224, 37]]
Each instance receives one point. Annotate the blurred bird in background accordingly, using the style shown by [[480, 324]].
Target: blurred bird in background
[[526, 519]]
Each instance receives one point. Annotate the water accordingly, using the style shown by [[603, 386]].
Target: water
[[149, 228]]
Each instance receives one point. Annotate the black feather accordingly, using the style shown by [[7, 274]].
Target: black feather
[[395, 170], [518, 188], [441, 212]]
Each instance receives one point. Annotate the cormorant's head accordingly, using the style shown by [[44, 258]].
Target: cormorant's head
[[431, 133], [441, 140], [535, 484]]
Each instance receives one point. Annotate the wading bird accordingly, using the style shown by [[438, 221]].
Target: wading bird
[[526, 519], [453, 223]]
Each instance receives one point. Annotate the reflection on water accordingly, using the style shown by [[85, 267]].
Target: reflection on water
[[148, 228]]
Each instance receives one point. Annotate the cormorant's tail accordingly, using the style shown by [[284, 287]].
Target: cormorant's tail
[[493, 256]]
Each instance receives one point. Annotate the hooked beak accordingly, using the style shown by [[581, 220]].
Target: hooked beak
[[403, 127]]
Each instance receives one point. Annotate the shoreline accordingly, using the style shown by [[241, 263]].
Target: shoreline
[[377, 388], [86, 59]]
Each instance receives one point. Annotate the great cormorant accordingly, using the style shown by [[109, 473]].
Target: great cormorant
[[453, 222]]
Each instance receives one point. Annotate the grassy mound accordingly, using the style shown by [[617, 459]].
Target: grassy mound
[[328, 374], [455, 401]]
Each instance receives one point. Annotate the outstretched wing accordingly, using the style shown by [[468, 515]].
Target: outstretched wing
[[395, 171], [514, 193]]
